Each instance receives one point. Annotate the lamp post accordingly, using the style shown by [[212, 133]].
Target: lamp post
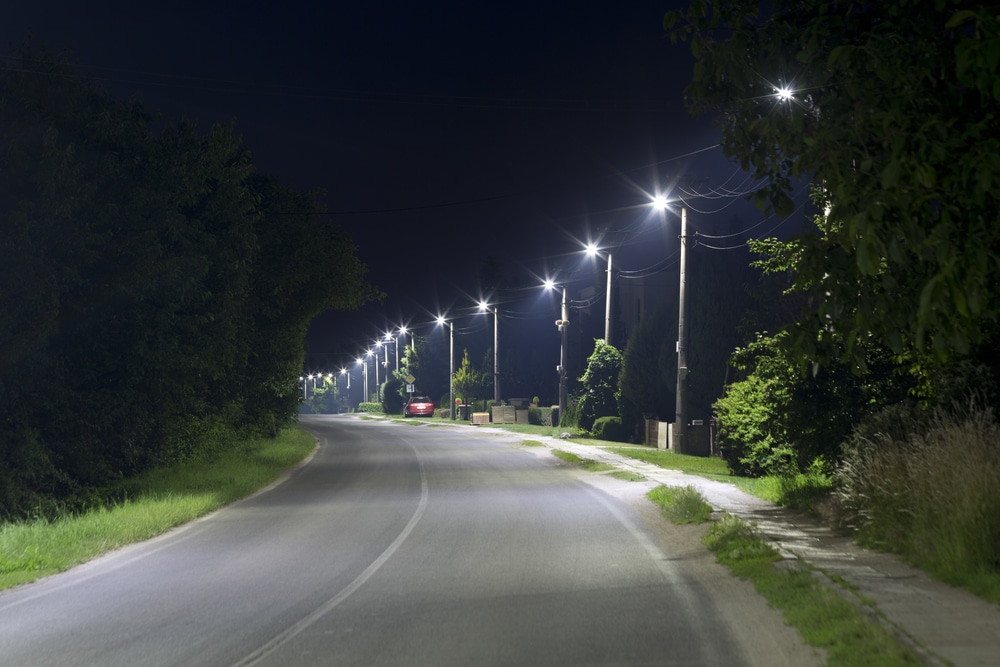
[[347, 390], [364, 372], [563, 325], [483, 306], [680, 428], [304, 387], [402, 332], [395, 347], [592, 250], [451, 365]]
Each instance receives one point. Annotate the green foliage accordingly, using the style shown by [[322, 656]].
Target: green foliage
[[779, 420], [682, 505], [610, 428], [370, 407], [895, 112], [155, 288], [469, 382], [648, 377], [393, 391], [572, 417], [600, 384]]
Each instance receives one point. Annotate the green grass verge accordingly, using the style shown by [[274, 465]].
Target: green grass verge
[[681, 504], [156, 502], [532, 443], [586, 464], [627, 475], [799, 492], [823, 618]]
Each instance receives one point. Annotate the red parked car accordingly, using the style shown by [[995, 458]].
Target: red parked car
[[419, 406]]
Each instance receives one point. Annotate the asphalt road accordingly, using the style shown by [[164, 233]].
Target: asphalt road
[[398, 545]]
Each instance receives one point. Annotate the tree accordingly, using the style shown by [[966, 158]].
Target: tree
[[892, 108], [469, 382], [648, 377], [600, 384], [155, 289]]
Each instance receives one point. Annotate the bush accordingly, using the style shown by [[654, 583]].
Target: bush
[[572, 417], [442, 413], [610, 428], [392, 400], [600, 385], [374, 408]]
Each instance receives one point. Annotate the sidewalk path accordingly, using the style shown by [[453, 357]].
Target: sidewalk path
[[943, 624]]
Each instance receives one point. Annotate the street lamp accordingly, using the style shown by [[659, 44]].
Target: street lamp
[[378, 345], [680, 428], [484, 307], [305, 387], [402, 332], [364, 372], [395, 347], [592, 250], [451, 364], [563, 325]]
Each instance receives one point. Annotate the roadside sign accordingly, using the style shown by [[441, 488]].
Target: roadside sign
[[410, 379], [409, 389]]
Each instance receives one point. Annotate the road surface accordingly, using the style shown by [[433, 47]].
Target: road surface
[[402, 545]]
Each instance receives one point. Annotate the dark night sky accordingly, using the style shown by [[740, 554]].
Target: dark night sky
[[442, 133]]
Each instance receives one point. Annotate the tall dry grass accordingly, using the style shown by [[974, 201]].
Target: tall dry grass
[[932, 495]]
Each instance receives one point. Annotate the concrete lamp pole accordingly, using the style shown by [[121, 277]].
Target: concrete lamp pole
[[451, 366], [563, 325], [592, 251], [681, 418], [483, 306]]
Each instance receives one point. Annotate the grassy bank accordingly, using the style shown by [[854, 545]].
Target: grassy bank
[[156, 502]]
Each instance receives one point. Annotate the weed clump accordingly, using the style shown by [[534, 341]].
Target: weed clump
[[930, 494]]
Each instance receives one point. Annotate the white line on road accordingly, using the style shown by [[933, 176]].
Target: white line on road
[[295, 630]]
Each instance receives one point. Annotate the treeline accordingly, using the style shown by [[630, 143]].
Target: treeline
[[155, 289]]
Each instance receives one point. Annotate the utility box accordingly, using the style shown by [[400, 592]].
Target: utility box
[[480, 418]]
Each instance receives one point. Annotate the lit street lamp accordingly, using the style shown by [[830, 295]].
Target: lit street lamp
[[592, 250], [484, 307], [563, 325], [364, 371], [451, 365], [680, 428]]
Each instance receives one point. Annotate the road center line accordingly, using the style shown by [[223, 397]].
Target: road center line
[[300, 627]]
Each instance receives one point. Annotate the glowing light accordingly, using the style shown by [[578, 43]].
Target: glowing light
[[784, 94], [660, 203]]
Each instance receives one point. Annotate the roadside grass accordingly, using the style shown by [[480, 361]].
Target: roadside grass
[[799, 492], [586, 464], [532, 443], [681, 504], [627, 475], [820, 614], [816, 610], [155, 502]]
